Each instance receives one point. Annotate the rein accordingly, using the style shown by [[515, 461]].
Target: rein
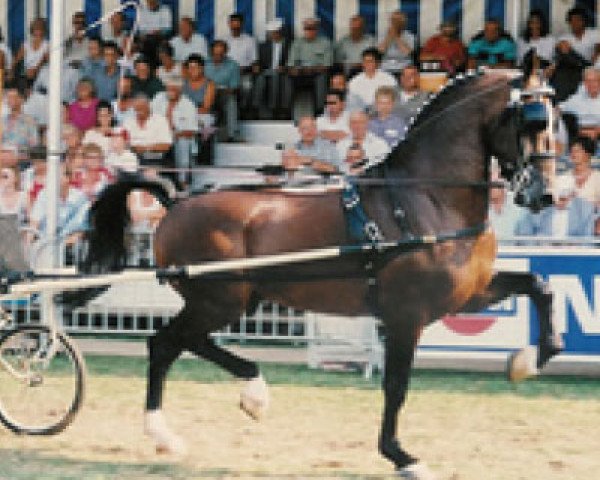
[[416, 182]]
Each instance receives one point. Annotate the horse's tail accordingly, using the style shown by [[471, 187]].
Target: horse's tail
[[108, 218]]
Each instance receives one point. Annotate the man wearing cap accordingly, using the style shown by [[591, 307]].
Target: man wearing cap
[[309, 61], [272, 89], [181, 115]]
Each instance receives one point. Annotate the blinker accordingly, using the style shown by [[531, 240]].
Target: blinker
[[534, 117]]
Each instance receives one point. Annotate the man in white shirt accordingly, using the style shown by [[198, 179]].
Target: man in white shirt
[[584, 41], [154, 25], [149, 133], [242, 49], [182, 116], [363, 86], [154, 18], [585, 104], [574, 52], [361, 149], [333, 125], [188, 42]]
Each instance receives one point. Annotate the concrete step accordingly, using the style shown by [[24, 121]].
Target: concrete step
[[215, 177], [246, 155], [268, 132]]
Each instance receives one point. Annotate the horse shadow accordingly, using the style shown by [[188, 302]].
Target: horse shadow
[[35, 464]]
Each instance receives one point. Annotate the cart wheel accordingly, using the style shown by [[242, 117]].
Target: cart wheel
[[40, 391]]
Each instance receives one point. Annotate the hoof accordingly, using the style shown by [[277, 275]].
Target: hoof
[[166, 441], [522, 364], [254, 399], [416, 471]]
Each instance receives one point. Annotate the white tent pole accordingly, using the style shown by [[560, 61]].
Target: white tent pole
[[54, 127], [516, 17]]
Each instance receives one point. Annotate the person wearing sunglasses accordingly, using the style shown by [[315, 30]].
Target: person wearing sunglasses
[[76, 46], [309, 61], [333, 124]]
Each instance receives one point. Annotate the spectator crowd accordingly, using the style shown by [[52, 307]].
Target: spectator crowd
[[155, 99]]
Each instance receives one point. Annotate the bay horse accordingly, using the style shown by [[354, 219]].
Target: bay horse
[[444, 160]]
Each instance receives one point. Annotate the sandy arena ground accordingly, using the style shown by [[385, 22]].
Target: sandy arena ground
[[313, 433]]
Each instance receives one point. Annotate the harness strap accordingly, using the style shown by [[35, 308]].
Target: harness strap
[[360, 226]]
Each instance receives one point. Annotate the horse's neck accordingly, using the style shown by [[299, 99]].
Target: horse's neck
[[446, 193]]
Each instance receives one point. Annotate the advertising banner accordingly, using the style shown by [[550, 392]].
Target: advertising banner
[[573, 275]]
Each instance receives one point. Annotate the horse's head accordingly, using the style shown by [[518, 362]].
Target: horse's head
[[522, 141]]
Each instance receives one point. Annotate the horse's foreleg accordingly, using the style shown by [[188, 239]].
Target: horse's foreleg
[[163, 349], [505, 284], [254, 398], [399, 354]]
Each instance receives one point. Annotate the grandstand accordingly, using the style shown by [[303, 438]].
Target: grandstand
[[264, 139], [16, 15]]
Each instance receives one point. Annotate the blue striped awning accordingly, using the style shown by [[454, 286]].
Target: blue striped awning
[[424, 15]]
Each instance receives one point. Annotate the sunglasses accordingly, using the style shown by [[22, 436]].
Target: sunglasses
[[310, 28], [331, 102]]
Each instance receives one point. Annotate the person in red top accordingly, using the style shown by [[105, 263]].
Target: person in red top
[[82, 112], [446, 48]]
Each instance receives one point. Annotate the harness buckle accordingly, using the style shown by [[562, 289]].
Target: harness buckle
[[373, 232]]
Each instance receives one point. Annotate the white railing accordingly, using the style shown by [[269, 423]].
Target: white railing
[[139, 308]]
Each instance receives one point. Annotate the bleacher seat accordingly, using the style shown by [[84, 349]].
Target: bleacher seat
[[246, 155], [269, 132]]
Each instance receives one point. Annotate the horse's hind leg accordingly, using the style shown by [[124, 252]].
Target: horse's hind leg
[[399, 354], [254, 398], [163, 350], [504, 284]]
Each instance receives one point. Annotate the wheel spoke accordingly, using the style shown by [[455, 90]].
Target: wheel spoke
[[39, 394]]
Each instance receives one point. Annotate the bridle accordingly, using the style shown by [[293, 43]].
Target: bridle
[[533, 178]]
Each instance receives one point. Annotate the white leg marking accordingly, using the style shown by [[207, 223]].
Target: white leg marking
[[523, 364], [254, 398], [416, 471], [155, 426]]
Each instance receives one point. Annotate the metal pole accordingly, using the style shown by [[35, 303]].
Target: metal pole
[[54, 127], [50, 314], [516, 8]]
